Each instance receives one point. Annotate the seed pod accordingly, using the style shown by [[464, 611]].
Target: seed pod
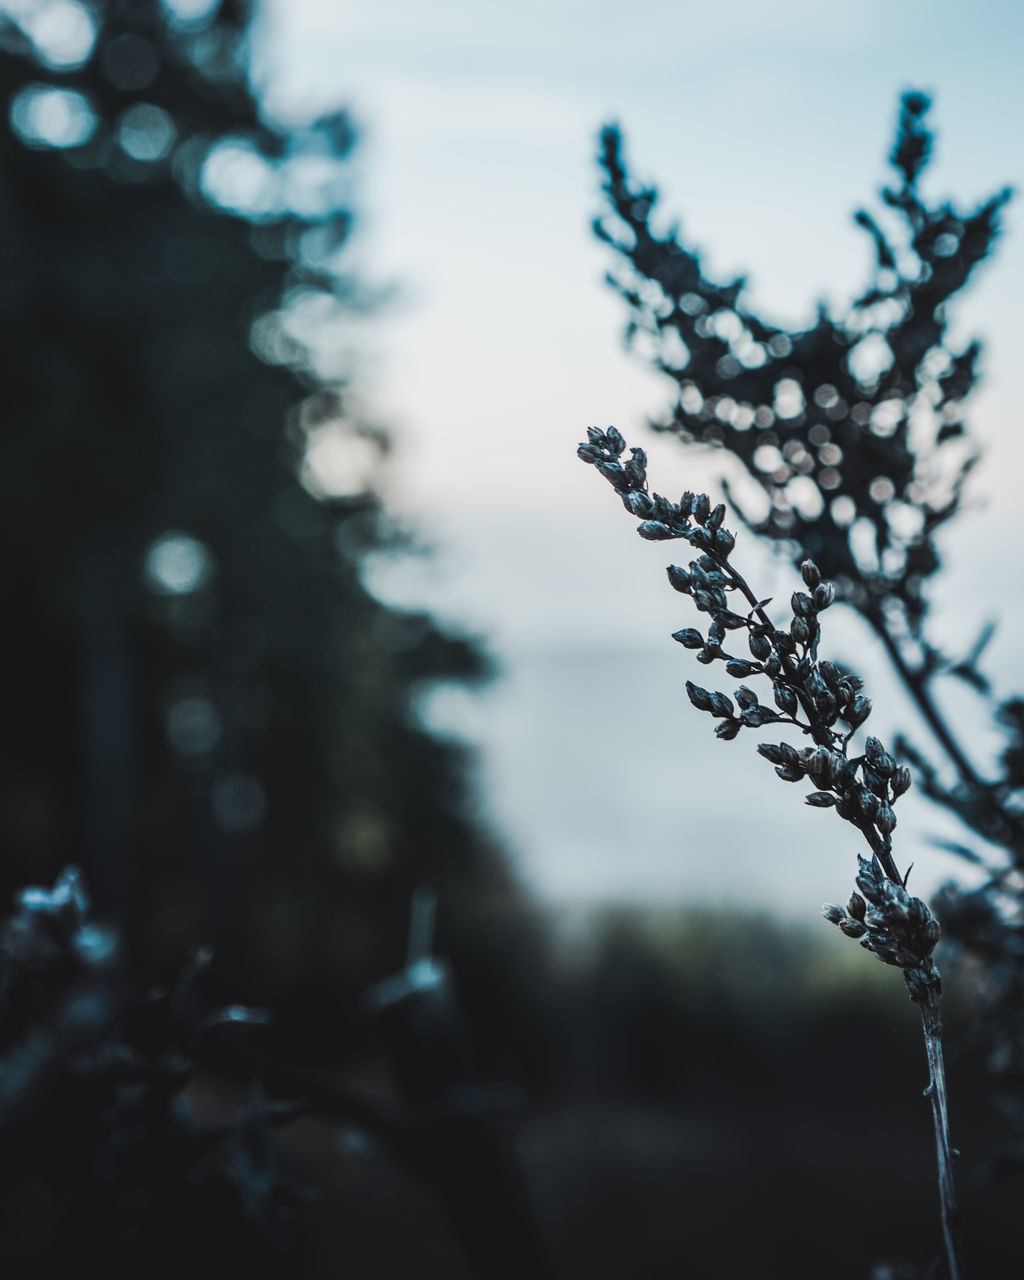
[[772, 665], [615, 440], [595, 435], [702, 538], [868, 803], [715, 519], [832, 913], [679, 579], [732, 621], [789, 772], [724, 543], [810, 573], [802, 605], [885, 765], [799, 630], [700, 698], [770, 752], [837, 766], [636, 468], [852, 928], [885, 820], [760, 645], [638, 504], [785, 698], [824, 594], [745, 697], [686, 504], [860, 709], [701, 508], [613, 473], [918, 913], [739, 667], [689, 638], [900, 781], [727, 729], [820, 800], [721, 705], [856, 906]]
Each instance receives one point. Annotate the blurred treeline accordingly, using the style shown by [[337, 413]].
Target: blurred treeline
[[207, 711], [205, 708]]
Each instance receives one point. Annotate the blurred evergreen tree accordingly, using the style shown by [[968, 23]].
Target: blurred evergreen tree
[[205, 708]]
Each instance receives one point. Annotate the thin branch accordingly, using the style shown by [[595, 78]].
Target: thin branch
[[916, 684], [931, 1021]]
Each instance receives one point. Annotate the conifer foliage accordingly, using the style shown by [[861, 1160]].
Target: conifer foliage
[[206, 709]]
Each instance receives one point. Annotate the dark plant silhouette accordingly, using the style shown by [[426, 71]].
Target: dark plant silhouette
[[826, 704], [206, 688], [853, 432], [99, 1138], [206, 708], [99, 1075]]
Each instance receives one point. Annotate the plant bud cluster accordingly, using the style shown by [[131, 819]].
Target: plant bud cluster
[[897, 927], [861, 789], [818, 697]]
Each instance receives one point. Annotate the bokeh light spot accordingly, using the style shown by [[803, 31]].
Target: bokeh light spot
[[145, 133], [239, 802], [43, 116], [194, 725], [177, 564]]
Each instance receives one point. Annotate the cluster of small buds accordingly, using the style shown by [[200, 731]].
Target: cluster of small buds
[[659, 518], [820, 698], [862, 789], [897, 927], [826, 704], [821, 692]]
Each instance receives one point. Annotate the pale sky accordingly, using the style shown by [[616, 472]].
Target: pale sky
[[765, 127]]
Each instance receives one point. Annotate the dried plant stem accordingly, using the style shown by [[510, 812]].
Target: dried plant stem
[[825, 703], [916, 684], [931, 1021]]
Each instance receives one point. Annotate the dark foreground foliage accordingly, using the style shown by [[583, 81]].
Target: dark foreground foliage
[[701, 1067]]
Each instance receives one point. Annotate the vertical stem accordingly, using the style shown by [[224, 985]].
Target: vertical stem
[[917, 685], [931, 1021]]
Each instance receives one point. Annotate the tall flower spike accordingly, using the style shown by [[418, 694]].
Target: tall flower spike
[[824, 702]]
